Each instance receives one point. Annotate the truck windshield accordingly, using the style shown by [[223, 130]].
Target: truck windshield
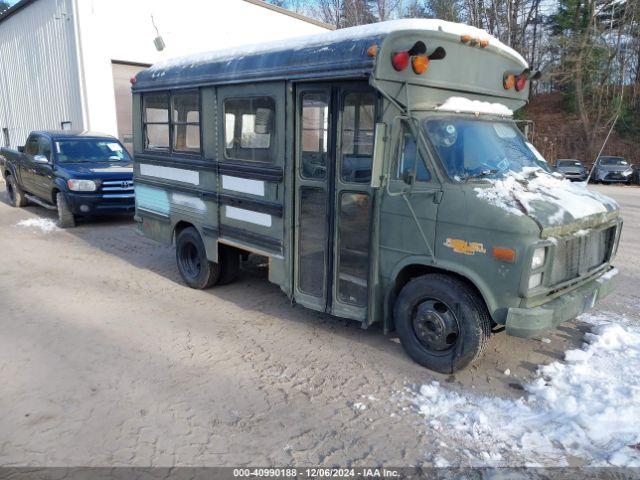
[[471, 148], [90, 150]]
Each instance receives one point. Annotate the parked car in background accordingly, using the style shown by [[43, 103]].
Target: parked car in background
[[75, 173], [610, 169], [572, 169]]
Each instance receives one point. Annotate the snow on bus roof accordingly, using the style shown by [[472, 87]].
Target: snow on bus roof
[[352, 33]]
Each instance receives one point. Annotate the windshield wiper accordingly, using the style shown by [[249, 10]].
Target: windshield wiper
[[484, 173]]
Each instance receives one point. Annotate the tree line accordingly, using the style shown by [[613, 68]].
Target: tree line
[[587, 50]]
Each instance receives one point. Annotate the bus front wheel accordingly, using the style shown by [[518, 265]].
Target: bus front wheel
[[443, 324], [194, 266]]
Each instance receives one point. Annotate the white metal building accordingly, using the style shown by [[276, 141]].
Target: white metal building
[[66, 64]]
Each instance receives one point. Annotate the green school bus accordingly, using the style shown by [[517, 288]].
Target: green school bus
[[380, 171]]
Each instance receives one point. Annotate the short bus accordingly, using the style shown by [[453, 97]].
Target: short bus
[[380, 171]]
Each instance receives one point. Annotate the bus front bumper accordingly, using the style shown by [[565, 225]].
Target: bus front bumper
[[528, 322]]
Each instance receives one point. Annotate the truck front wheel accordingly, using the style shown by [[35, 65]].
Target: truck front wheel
[[16, 194], [443, 324], [65, 216], [194, 266]]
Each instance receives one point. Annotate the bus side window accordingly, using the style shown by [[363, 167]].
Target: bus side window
[[407, 158], [156, 121], [249, 132], [186, 122], [358, 125]]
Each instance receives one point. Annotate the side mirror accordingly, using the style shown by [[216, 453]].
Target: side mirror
[[21, 148], [407, 177], [40, 159]]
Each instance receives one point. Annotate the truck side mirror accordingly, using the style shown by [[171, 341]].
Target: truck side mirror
[[40, 159], [21, 148]]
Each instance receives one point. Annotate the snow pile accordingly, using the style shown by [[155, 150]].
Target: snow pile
[[586, 407], [518, 193], [44, 224], [352, 33], [461, 104]]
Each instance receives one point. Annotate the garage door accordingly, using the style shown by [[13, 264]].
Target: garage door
[[122, 73]]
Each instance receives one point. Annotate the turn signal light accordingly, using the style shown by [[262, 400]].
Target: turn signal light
[[508, 81], [521, 82], [132, 80], [504, 254], [400, 60], [420, 63], [372, 51]]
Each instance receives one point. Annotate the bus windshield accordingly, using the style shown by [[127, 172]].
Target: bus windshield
[[86, 150], [471, 149]]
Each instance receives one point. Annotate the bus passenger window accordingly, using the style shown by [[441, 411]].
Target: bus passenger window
[[407, 158], [156, 121], [186, 122], [314, 133], [358, 124], [249, 128]]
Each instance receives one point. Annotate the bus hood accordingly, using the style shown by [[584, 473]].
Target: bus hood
[[558, 206]]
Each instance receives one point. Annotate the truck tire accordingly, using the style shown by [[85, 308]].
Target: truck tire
[[16, 194], [194, 266], [229, 259], [443, 324], [65, 217]]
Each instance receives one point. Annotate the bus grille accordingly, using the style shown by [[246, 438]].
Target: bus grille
[[577, 256]]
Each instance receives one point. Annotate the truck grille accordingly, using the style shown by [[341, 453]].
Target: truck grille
[[578, 255], [117, 189]]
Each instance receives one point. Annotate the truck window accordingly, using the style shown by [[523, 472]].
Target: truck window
[[31, 148], [314, 131], [407, 158], [44, 147], [358, 124], [249, 128], [186, 122], [156, 121]]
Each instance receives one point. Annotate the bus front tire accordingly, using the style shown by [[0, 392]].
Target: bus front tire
[[194, 266], [443, 324]]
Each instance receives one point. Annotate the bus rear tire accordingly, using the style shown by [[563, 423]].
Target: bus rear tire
[[443, 324], [194, 266]]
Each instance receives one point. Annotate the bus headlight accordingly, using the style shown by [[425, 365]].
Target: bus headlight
[[535, 280], [82, 185], [539, 256]]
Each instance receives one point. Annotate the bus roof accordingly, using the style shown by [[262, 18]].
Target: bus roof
[[338, 54]]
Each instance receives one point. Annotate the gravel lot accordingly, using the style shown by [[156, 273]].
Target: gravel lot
[[107, 359]]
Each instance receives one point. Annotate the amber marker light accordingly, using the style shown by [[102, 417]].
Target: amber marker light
[[484, 43], [508, 81], [505, 254], [465, 38], [420, 63], [372, 51]]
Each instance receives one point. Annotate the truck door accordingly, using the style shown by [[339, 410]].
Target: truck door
[[27, 165], [334, 151], [43, 172]]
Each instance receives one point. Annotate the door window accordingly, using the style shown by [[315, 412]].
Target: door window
[[358, 125], [353, 259], [314, 132], [312, 249], [408, 159], [44, 147], [31, 148]]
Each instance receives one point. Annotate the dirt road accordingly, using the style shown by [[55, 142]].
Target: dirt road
[[106, 358]]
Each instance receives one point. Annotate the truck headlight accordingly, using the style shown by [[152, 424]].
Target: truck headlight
[[539, 256], [82, 185], [535, 280]]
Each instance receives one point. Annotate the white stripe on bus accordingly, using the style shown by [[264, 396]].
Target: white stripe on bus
[[248, 216], [243, 185], [170, 173]]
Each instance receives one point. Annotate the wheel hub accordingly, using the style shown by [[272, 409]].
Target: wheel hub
[[435, 325]]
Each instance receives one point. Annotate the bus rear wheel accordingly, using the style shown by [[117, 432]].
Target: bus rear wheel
[[194, 266], [443, 324]]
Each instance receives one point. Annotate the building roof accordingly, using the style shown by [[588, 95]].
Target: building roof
[[24, 3], [337, 54]]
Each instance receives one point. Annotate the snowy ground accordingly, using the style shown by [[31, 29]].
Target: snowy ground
[[587, 406], [107, 359]]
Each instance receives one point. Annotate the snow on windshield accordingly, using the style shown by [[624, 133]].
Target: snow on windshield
[[462, 104], [585, 407], [518, 191]]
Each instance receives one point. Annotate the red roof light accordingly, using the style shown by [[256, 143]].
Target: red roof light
[[400, 60]]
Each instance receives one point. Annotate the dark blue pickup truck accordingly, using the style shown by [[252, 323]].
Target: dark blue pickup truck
[[75, 173]]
